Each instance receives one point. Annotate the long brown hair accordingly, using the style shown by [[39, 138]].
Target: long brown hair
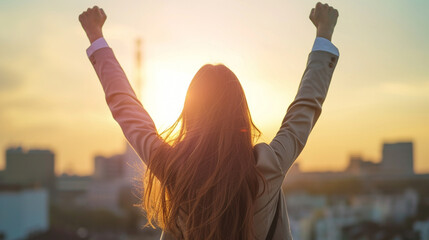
[[203, 182]]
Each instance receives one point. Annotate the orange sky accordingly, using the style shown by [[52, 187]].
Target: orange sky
[[50, 96]]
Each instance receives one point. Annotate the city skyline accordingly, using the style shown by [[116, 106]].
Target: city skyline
[[363, 200], [397, 159], [378, 93]]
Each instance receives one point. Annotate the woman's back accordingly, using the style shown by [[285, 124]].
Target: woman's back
[[274, 160], [208, 180]]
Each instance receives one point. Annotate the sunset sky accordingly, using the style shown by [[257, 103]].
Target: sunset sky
[[50, 96]]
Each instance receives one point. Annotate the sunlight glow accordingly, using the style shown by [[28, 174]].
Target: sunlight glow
[[166, 97]]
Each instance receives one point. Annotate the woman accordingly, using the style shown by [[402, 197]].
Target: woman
[[208, 179]]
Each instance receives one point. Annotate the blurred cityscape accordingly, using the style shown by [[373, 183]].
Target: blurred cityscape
[[368, 200], [36, 204]]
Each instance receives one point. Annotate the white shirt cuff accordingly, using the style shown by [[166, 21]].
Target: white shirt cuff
[[97, 44], [323, 44]]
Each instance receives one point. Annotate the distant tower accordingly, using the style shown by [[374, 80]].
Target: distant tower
[[134, 166], [138, 67], [398, 158]]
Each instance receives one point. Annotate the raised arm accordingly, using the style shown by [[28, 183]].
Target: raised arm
[[136, 124], [304, 111]]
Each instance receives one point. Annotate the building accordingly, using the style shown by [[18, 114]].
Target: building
[[109, 168], [134, 167], [398, 159], [422, 227], [112, 176], [1, 176], [105, 195], [23, 211], [359, 166], [71, 190], [336, 216], [34, 167]]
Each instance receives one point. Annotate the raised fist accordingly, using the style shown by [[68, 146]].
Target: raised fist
[[324, 17], [92, 21]]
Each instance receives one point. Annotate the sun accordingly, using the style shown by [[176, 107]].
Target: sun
[[164, 94]]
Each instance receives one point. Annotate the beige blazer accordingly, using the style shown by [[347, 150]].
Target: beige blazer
[[273, 159]]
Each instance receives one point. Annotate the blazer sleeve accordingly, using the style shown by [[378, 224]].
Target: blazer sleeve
[[136, 124], [304, 111]]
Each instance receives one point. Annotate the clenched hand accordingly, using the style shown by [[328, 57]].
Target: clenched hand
[[92, 21], [324, 17]]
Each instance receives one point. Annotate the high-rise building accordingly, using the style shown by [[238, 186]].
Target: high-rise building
[[398, 158], [34, 167]]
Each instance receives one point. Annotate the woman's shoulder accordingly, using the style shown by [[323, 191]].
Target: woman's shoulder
[[263, 151], [266, 159]]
